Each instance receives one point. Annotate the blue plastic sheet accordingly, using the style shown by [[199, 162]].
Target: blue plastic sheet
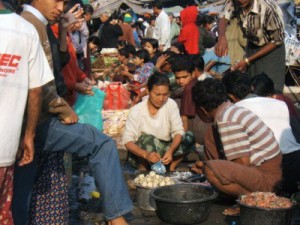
[[88, 108]]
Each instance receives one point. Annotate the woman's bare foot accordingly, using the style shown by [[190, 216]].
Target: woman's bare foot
[[176, 161], [118, 221], [232, 211]]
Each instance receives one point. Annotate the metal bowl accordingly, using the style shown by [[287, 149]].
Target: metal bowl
[[183, 204]]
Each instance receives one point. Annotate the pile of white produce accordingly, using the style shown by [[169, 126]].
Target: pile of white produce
[[153, 180]]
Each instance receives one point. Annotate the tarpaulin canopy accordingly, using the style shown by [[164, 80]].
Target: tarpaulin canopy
[[139, 6]]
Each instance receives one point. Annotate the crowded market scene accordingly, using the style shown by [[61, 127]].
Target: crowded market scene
[[150, 112]]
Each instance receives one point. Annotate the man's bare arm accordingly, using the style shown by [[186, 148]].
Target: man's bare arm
[[34, 105]]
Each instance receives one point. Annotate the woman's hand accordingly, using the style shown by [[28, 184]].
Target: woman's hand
[[167, 158], [152, 157], [198, 167]]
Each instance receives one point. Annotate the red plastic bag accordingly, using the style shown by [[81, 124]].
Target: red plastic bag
[[117, 97]]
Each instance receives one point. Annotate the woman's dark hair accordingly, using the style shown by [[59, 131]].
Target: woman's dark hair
[[197, 61], [180, 48], [124, 52], [95, 40], [158, 79], [209, 94], [153, 42], [237, 83], [88, 9], [262, 85], [182, 63], [143, 54]]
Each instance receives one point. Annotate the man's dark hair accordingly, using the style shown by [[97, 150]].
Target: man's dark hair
[[198, 62], [143, 54], [157, 4], [158, 79], [237, 84], [88, 9], [182, 63], [262, 85], [209, 94]]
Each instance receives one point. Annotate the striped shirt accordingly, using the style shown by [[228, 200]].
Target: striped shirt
[[262, 24], [243, 134]]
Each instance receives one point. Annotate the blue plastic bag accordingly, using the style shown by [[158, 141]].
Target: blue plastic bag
[[88, 108]]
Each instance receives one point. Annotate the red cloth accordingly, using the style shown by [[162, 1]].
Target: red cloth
[[6, 192], [71, 71], [189, 34]]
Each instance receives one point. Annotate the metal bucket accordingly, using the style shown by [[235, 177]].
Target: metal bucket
[[143, 198]]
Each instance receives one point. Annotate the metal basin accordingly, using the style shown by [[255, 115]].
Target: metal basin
[[143, 198], [183, 204]]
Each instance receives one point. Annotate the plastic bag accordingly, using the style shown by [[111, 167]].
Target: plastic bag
[[88, 108], [117, 97], [114, 122]]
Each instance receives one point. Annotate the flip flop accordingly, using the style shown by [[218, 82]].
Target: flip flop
[[232, 211]]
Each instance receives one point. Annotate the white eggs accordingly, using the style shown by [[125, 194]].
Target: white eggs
[[153, 180]]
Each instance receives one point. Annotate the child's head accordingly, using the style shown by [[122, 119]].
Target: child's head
[[123, 55], [130, 67], [151, 45], [131, 50], [94, 43], [142, 56]]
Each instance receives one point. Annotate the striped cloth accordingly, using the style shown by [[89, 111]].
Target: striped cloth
[[244, 134]]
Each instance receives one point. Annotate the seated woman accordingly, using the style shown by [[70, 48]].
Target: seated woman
[[154, 130]]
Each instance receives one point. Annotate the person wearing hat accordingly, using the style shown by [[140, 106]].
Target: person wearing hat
[[127, 29]]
